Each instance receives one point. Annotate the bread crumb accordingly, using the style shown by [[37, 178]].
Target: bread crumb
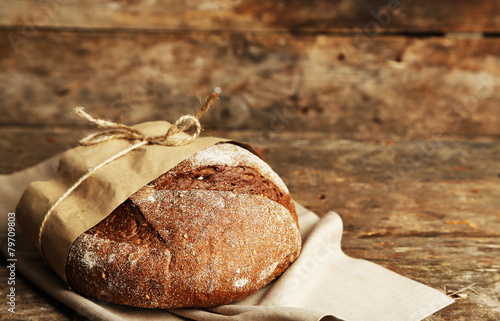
[[254, 252], [185, 236], [147, 297]]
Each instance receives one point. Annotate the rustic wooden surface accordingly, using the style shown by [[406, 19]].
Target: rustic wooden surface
[[297, 15], [422, 70], [384, 111], [395, 87], [400, 203]]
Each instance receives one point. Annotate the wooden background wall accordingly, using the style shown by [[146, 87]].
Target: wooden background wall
[[358, 69]]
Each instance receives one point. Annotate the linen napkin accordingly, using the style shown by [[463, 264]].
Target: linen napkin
[[322, 284]]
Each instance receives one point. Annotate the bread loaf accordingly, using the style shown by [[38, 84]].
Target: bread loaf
[[212, 230]]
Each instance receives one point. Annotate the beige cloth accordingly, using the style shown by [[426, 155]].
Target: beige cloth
[[323, 284]]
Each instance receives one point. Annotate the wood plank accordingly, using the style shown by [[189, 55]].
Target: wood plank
[[374, 16], [440, 262], [438, 224], [392, 87]]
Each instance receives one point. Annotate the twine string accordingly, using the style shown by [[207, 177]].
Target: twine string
[[121, 131]]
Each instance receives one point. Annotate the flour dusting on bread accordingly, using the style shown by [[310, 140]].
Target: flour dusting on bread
[[214, 229]]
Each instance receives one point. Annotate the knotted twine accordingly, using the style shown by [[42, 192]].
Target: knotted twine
[[121, 131]]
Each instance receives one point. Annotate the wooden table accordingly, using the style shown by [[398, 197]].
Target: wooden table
[[436, 221], [383, 111]]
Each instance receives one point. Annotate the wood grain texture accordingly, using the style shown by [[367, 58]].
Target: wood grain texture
[[438, 222], [378, 16], [392, 87]]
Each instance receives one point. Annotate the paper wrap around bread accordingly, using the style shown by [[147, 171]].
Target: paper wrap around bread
[[126, 179]]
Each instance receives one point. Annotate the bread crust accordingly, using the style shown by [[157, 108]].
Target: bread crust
[[208, 232]]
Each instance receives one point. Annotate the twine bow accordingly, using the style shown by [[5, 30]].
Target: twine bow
[[121, 131]]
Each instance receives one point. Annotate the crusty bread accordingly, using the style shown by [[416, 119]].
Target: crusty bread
[[212, 230]]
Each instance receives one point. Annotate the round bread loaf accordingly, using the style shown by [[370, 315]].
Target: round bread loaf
[[212, 230]]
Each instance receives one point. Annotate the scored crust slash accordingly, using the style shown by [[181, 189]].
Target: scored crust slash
[[199, 225], [214, 229]]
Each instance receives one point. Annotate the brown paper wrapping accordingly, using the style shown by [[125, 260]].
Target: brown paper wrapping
[[100, 193]]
